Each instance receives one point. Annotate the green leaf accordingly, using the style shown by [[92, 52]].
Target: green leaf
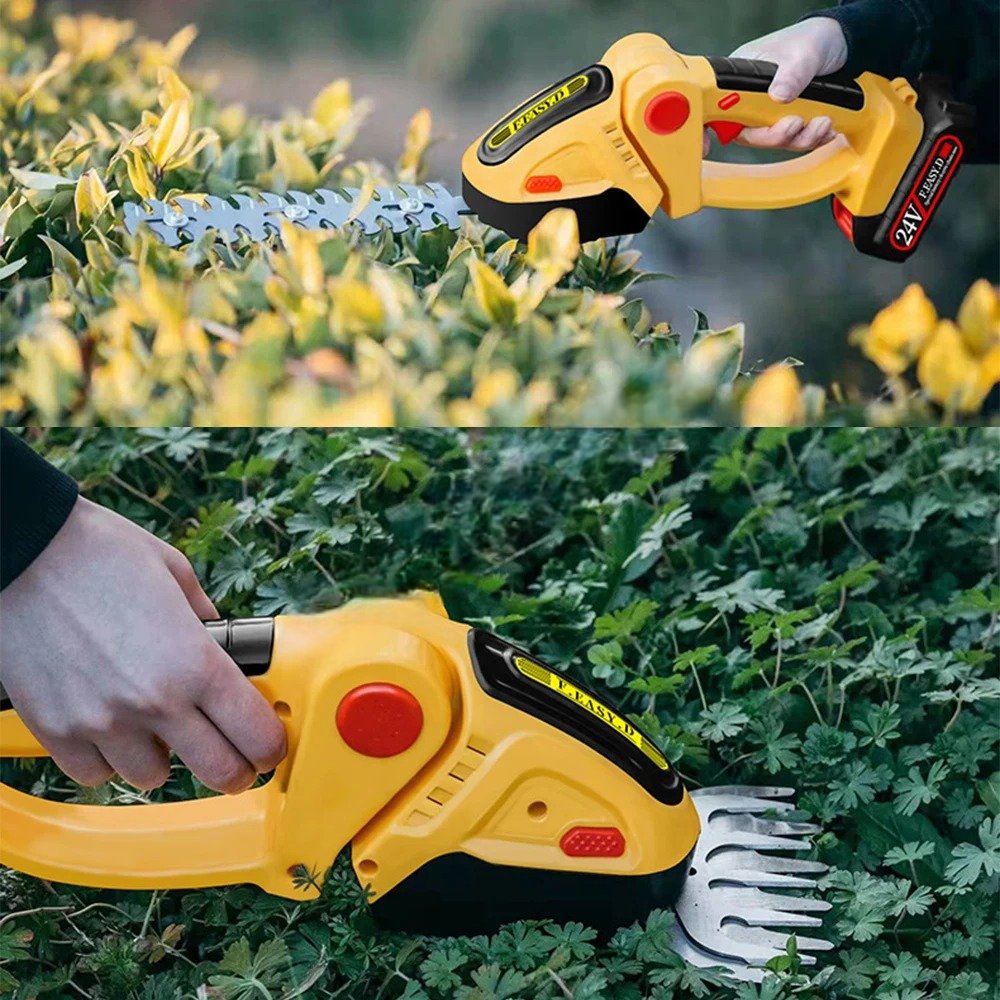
[[970, 861]]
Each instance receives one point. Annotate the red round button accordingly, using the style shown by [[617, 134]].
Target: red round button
[[667, 112], [379, 720]]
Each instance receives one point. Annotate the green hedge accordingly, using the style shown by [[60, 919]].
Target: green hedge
[[811, 608]]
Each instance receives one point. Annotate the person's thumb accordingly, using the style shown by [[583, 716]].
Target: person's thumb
[[792, 77]]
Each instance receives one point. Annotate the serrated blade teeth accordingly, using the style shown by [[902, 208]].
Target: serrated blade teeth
[[745, 791], [723, 915], [743, 822], [776, 864], [717, 805], [396, 208], [759, 842]]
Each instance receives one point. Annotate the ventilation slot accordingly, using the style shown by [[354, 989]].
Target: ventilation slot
[[636, 167], [469, 759]]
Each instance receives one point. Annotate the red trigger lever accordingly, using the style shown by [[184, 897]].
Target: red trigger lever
[[726, 131]]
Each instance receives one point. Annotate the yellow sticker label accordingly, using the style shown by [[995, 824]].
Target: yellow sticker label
[[556, 682], [509, 129]]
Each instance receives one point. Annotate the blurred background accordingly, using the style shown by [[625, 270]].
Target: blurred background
[[790, 275]]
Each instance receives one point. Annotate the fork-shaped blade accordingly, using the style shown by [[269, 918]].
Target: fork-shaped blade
[[724, 916]]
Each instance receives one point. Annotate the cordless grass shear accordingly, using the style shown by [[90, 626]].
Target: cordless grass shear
[[621, 139], [474, 784]]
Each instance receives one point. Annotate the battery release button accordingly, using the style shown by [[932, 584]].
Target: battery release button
[[593, 842]]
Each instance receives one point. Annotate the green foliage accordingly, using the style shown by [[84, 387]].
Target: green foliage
[[743, 595]]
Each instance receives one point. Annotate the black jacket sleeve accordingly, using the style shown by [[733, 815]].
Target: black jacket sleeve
[[959, 39], [35, 500]]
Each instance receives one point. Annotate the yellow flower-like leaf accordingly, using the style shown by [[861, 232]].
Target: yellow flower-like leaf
[[554, 245], [356, 308], [492, 293], [369, 409], [37, 92], [899, 332], [135, 165], [171, 133], [294, 165], [51, 367], [332, 106], [154, 54], [716, 358], [18, 10], [231, 120], [979, 318], [172, 88], [775, 399], [90, 199], [495, 388], [90, 37], [952, 375], [303, 253], [418, 139]]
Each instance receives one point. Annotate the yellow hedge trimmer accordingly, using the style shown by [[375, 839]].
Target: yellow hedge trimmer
[[624, 137], [475, 785]]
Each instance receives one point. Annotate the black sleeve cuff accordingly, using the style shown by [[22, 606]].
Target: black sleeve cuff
[[882, 37], [35, 500]]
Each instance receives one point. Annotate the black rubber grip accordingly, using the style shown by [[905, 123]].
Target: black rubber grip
[[755, 77], [248, 641]]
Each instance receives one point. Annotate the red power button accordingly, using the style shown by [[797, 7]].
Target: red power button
[[379, 720], [667, 112]]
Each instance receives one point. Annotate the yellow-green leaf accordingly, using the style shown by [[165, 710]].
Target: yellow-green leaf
[[171, 133], [775, 399], [554, 245], [492, 293], [91, 198], [418, 139]]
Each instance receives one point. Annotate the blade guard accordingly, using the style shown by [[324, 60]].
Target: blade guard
[[626, 136], [395, 746]]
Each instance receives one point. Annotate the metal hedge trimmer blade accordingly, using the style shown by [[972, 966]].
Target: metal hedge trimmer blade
[[724, 916], [398, 208]]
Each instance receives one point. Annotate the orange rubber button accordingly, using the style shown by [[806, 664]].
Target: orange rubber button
[[667, 112], [729, 101], [593, 842], [544, 184], [379, 720]]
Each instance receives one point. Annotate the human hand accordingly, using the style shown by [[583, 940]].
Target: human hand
[[106, 661], [814, 47]]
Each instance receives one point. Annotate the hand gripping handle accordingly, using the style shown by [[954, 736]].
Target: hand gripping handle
[[668, 99], [878, 126], [319, 797]]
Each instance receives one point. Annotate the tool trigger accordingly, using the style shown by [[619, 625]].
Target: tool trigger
[[726, 131]]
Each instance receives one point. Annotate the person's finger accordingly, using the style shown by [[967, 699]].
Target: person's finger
[[776, 136], [80, 760], [183, 572], [792, 77], [242, 714], [815, 134], [138, 757], [210, 757]]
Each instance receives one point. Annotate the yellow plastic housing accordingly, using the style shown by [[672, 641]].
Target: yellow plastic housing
[[481, 778], [611, 145]]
